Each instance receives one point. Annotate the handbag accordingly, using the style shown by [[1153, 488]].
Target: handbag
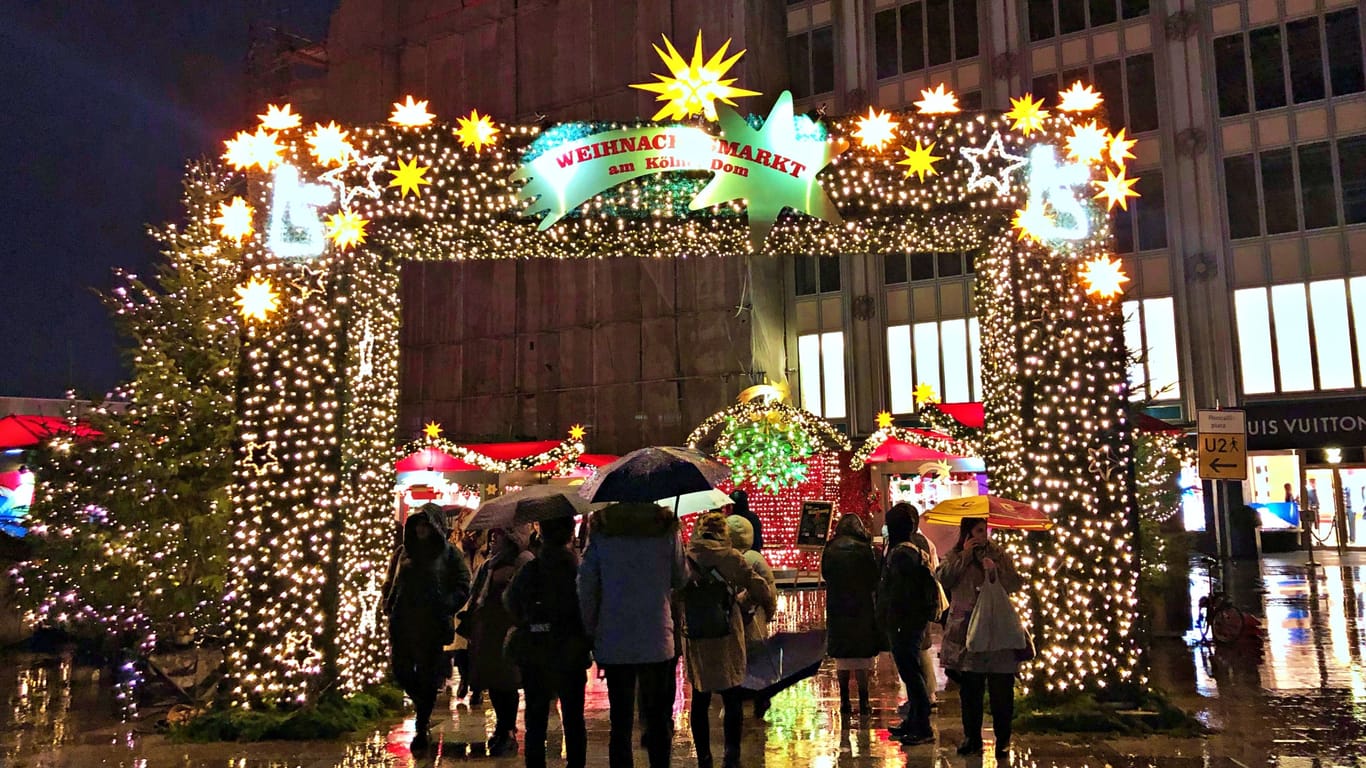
[[995, 625]]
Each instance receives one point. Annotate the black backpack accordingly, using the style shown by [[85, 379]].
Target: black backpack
[[707, 602]]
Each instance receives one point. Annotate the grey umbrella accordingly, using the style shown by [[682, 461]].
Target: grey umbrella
[[650, 474], [529, 505]]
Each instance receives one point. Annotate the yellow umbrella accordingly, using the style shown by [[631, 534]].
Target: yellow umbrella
[[998, 512]]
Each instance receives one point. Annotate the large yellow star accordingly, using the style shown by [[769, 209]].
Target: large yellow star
[[924, 393], [1104, 277], [577, 432], [475, 131], [875, 129], [694, 87], [1116, 188], [1026, 114], [1078, 98], [1119, 149], [920, 160], [939, 101], [884, 420], [256, 300], [234, 219], [247, 149], [346, 229], [409, 178], [1024, 220], [1087, 142], [432, 430], [411, 114], [279, 118], [328, 144]]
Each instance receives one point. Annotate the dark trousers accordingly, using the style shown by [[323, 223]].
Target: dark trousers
[[504, 703], [543, 686], [420, 669], [905, 644], [1001, 688], [656, 710], [733, 722]]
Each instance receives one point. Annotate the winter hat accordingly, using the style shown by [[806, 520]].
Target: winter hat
[[901, 523], [712, 525]]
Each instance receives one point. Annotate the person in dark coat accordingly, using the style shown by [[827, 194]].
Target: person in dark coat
[[427, 583], [490, 669], [908, 600], [851, 571], [549, 643], [742, 509]]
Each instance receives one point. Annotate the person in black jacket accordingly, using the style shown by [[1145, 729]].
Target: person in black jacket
[[741, 509], [549, 642], [427, 583], [850, 569], [908, 599]]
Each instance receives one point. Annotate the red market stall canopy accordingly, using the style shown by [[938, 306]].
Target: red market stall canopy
[[973, 415], [20, 431], [483, 457], [893, 449]]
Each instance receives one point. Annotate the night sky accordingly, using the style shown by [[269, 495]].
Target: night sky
[[105, 101]]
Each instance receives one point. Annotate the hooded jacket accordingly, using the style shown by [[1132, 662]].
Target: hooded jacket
[[490, 668], [427, 583], [718, 664], [851, 571], [742, 540], [633, 563]]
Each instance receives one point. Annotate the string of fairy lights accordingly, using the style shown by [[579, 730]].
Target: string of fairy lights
[[562, 458]]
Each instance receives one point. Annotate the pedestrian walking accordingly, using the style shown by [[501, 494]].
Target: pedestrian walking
[[972, 562], [919, 539], [851, 571], [549, 643], [908, 600], [633, 563], [426, 584], [490, 668], [720, 584], [757, 614]]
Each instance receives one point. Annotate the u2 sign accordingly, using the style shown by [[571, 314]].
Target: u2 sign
[[1222, 444]]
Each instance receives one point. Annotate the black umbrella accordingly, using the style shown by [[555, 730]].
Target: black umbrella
[[529, 505], [783, 660], [650, 474]]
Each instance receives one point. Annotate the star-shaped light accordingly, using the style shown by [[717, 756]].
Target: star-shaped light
[[884, 420], [411, 114], [256, 300], [329, 144], [261, 457], [939, 101], [1025, 221], [279, 118], [577, 432], [920, 160], [259, 149], [979, 179], [1104, 277], [347, 229], [1087, 143], [1117, 189], [924, 394], [693, 87], [432, 430], [409, 178], [475, 131], [234, 219], [1078, 98], [1026, 114], [1119, 149], [875, 129]]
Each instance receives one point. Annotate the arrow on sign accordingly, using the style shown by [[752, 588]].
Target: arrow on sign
[[1215, 465]]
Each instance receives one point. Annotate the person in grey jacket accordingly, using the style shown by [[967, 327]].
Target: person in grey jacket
[[633, 563]]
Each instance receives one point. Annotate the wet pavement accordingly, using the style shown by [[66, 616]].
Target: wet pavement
[[1302, 706]]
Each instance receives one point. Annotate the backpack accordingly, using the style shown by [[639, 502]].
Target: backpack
[[707, 602]]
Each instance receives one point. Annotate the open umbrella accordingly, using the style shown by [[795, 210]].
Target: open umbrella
[[529, 505], [999, 513], [701, 501], [655, 473], [783, 660]]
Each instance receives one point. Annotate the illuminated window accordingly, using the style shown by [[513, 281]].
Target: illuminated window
[[1290, 318], [820, 369], [1297, 337], [1332, 347], [1254, 340], [1150, 337], [944, 354]]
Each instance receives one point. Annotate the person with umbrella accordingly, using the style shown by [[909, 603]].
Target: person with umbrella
[[974, 561], [427, 583], [490, 669]]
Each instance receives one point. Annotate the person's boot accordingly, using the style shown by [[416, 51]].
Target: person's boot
[[863, 707], [503, 743], [731, 760], [845, 706], [704, 761]]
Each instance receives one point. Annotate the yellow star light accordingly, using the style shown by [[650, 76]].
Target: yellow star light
[[1087, 142], [884, 420], [411, 114], [280, 118], [875, 129], [328, 144], [432, 430], [234, 219], [247, 149], [924, 393], [409, 178], [1027, 114], [1078, 98], [577, 432], [940, 101], [920, 160], [693, 87], [475, 131], [256, 300], [1023, 221], [1104, 277], [346, 229], [1116, 188], [1119, 149]]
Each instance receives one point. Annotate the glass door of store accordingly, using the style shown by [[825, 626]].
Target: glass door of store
[[1335, 503]]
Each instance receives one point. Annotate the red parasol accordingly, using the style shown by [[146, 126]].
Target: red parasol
[[20, 431]]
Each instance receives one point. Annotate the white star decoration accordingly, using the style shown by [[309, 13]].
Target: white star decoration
[[372, 188], [1001, 179]]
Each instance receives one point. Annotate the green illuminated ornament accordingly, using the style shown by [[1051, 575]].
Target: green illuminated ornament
[[770, 168], [766, 449]]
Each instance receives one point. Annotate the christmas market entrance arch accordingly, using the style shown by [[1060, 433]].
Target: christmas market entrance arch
[[328, 212]]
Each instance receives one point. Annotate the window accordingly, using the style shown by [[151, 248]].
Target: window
[[1290, 321], [1352, 172], [1108, 78], [1103, 12], [1230, 74], [1040, 20], [1278, 191], [1068, 16], [965, 40], [893, 268], [885, 43], [1150, 336], [1299, 340], [1343, 32], [945, 354], [815, 274], [1128, 89], [1297, 188], [1046, 88], [1142, 93], [1332, 346], [820, 369], [811, 62], [1268, 71], [937, 21], [1240, 197], [1318, 198], [1143, 227], [1306, 60], [925, 266], [1071, 17], [1323, 54], [1254, 340], [900, 33]]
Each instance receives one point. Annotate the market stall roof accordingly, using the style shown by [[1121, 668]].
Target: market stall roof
[[900, 450], [22, 431], [1145, 423], [974, 415], [432, 458], [597, 459]]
